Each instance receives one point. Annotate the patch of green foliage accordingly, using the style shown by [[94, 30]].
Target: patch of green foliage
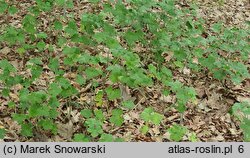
[[242, 112], [157, 26], [177, 132]]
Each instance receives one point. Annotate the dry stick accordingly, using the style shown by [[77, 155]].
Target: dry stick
[[139, 102], [181, 118]]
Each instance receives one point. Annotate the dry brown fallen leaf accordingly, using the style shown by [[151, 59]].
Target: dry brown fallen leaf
[[5, 51], [66, 130]]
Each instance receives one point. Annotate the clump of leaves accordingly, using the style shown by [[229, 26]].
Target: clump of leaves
[[94, 127], [117, 117], [183, 95], [5, 7], [113, 93], [81, 138], [8, 77], [156, 26], [93, 123], [106, 138], [150, 116], [242, 112], [177, 132]]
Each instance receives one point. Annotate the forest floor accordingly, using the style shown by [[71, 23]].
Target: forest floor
[[208, 119]]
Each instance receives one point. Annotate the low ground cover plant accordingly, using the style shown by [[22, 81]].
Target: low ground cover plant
[[124, 45]]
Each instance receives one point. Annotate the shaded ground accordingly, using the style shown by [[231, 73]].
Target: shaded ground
[[231, 12]]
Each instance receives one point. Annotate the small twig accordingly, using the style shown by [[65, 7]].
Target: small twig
[[182, 118], [86, 88], [139, 102]]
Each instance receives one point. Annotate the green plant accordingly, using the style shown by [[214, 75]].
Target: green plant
[[8, 76], [129, 104], [183, 95], [177, 132], [242, 112], [93, 123], [116, 117], [2, 133], [113, 93], [193, 137], [106, 138], [86, 113], [94, 127], [150, 116], [114, 44], [5, 7], [81, 138]]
